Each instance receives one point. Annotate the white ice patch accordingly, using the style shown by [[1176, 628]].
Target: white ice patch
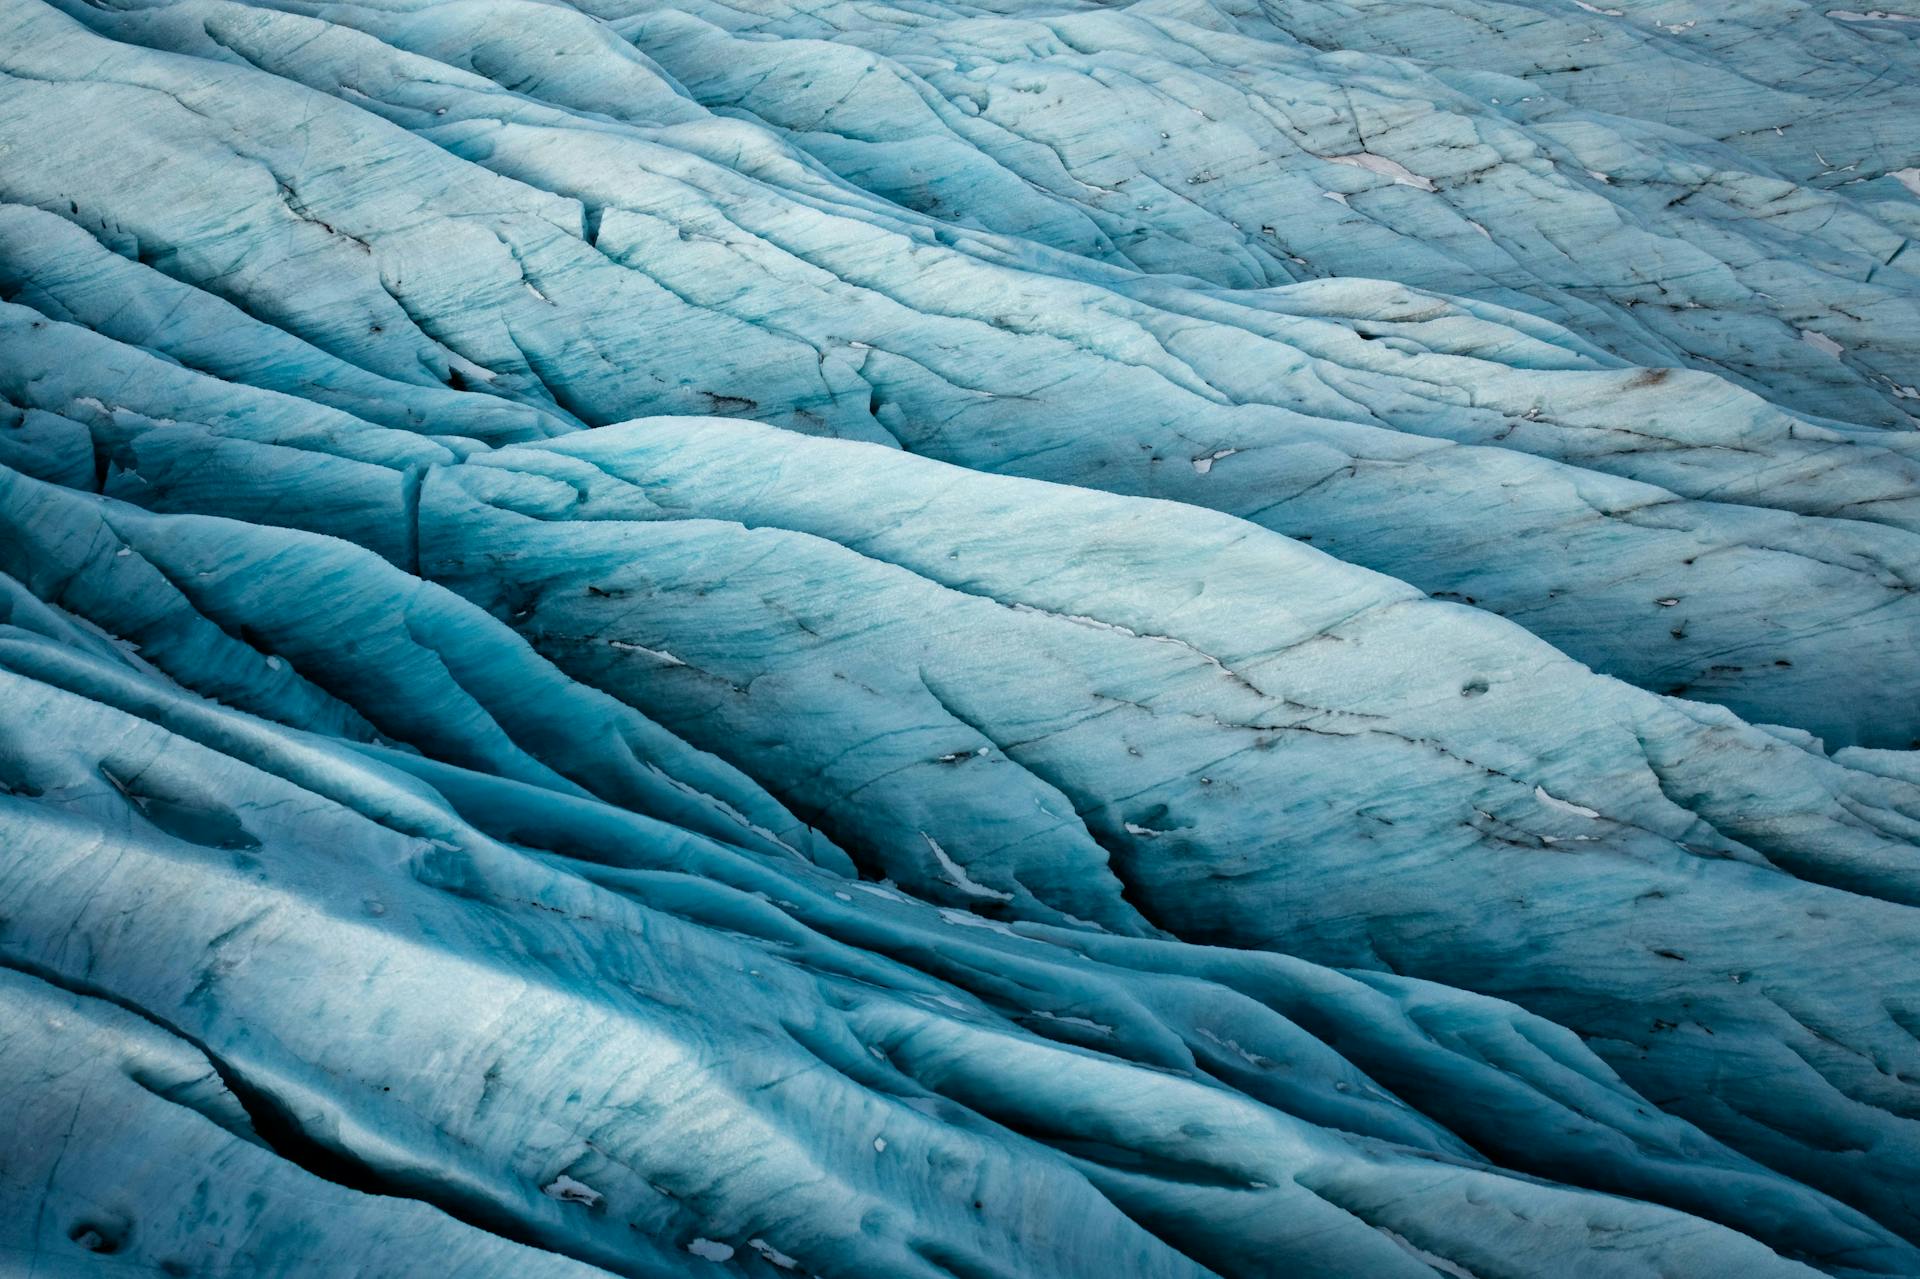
[[1871, 15], [711, 1251], [1202, 465], [1400, 173], [1594, 8], [879, 1145], [569, 1191], [957, 874], [1908, 178], [1561, 805], [1336, 197]]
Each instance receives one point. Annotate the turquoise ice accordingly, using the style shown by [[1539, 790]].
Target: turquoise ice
[[1183, 638]]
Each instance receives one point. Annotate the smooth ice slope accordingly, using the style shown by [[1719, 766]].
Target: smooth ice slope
[[1168, 639]]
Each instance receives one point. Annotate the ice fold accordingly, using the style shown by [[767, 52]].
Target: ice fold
[[867, 639]]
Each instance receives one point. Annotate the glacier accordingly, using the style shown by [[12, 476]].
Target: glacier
[[959, 638]]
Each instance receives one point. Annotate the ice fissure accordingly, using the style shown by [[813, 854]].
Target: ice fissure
[[917, 638]]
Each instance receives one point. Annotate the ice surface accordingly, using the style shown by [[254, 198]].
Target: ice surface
[[865, 638]]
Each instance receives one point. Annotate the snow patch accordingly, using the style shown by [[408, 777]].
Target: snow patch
[[957, 874], [1563, 806], [773, 1254], [1084, 1023], [1821, 342], [1219, 1041], [659, 654], [1400, 173], [567, 1190], [962, 919], [1442, 1264]]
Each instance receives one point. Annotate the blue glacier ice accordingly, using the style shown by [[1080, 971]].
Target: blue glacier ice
[[957, 638]]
